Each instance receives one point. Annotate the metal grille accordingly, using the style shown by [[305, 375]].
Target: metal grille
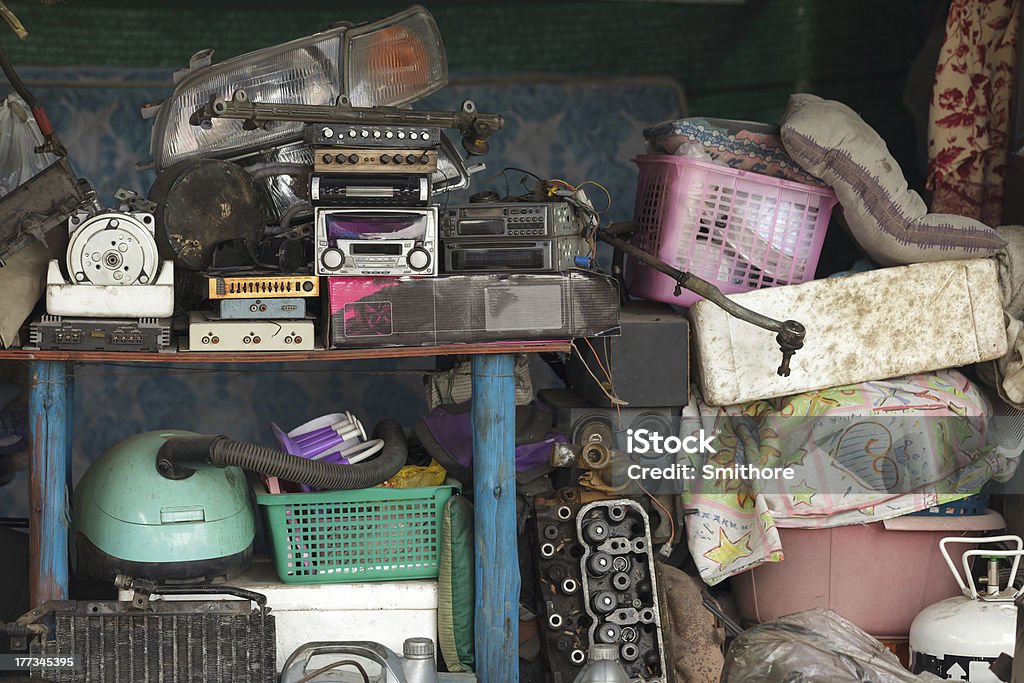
[[213, 643]]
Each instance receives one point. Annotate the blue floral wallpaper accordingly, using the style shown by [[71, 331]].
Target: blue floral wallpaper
[[562, 128]]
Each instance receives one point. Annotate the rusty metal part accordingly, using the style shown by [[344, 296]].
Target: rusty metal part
[[564, 455], [38, 209], [203, 203], [595, 456], [601, 607], [476, 127], [790, 333]]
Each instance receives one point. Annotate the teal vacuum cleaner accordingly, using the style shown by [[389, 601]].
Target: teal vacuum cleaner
[[175, 506]]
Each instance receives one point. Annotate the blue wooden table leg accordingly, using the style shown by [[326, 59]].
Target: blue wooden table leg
[[50, 417], [497, 567]]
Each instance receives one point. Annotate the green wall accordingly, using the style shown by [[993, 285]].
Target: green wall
[[736, 61]]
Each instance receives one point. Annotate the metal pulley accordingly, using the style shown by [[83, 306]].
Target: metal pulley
[[112, 249]]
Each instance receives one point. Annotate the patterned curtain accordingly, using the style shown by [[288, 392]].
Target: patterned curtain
[[969, 122]]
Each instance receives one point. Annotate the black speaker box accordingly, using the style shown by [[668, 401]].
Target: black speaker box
[[649, 364]]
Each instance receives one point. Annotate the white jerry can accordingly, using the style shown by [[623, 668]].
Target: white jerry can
[[959, 637]]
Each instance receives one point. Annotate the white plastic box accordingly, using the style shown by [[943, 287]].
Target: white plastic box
[[868, 326], [386, 612]]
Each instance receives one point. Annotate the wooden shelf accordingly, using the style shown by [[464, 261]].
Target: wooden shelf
[[287, 357]]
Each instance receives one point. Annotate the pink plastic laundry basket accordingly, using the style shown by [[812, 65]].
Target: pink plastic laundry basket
[[737, 229]]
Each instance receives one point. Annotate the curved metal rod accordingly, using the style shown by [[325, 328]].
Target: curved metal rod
[[790, 333]]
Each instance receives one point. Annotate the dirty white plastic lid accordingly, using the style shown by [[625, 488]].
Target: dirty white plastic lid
[[604, 652]]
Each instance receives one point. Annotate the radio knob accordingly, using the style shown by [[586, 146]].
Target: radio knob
[[353, 158], [385, 158], [327, 132], [328, 158], [332, 259], [388, 134], [364, 133], [418, 259], [398, 158], [424, 159], [376, 134], [411, 158]]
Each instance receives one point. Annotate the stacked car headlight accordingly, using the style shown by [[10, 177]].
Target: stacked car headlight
[[390, 62]]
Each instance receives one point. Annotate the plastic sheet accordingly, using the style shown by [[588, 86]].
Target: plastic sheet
[[416, 476], [813, 646], [19, 136]]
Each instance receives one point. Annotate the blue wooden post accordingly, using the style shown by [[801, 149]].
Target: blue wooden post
[[69, 422], [497, 566], [49, 424]]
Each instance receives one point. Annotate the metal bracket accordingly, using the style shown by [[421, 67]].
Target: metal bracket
[[476, 127]]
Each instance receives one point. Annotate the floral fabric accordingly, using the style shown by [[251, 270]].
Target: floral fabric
[[859, 453], [969, 119]]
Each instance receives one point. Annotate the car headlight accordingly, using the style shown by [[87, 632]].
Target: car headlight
[[394, 61], [390, 62]]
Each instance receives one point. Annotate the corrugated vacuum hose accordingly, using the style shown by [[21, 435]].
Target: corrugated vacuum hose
[[174, 456]]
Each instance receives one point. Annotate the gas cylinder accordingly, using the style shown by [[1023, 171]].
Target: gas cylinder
[[959, 637]]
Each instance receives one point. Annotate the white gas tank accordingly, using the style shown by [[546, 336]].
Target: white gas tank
[[959, 637]]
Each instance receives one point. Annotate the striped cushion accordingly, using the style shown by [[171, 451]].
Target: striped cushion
[[887, 219]]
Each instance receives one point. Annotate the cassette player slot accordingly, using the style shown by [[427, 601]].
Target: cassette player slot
[[357, 190], [511, 220], [387, 249], [548, 255]]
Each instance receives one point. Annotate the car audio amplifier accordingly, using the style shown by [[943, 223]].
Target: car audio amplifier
[[262, 286], [360, 135], [248, 309], [332, 160], [207, 334], [54, 333]]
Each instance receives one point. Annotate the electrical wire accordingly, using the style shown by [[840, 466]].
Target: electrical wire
[[608, 355], [617, 401], [335, 665], [570, 186], [52, 143], [606, 192], [600, 385], [671, 517], [523, 171]]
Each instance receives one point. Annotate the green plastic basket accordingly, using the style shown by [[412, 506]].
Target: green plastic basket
[[375, 534]]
